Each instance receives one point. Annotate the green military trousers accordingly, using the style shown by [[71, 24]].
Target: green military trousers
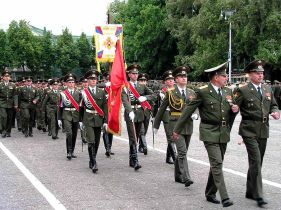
[[256, 149], [216, 182]]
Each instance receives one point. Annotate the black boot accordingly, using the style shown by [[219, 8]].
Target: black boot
[[169, 157], [144, 144], [90, 157], [106, 144], [94, 155], [172, 151], [110, 138], [137, 166], [30, 133]]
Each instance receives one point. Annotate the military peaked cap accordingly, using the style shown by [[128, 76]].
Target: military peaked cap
[[181, 71], [133, 68], [255, 66], [70, 77], [168, 75]]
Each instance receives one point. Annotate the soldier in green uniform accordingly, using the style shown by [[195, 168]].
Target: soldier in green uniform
[[51, 100], [142, 79], [256, 102], [169, 82], [94, 116], [28, 97], [69, 112], [217, 113], [107, 136], [176, 99], [8, 101], [134, 112]]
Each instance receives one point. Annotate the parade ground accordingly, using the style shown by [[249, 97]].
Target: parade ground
[[35, 174]]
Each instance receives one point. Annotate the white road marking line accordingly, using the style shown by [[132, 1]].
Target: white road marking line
[[53, 201], [274, 184]]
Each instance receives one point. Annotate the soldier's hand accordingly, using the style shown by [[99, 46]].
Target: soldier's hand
[[235, 108], [176, 136], [34, 101], [107, 84], [155, 130], [60, 123], [275, 115], [194, 116], [162, 95], [142, 98], [105, 126], [132, 116], [81, 126]]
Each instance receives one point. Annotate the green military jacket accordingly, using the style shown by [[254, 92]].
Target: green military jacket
[[255, 111], [90, 117], [176, 103], [51, 100], [216, 116], [131, 103], [65, 105], [8, 95], [26, 95]]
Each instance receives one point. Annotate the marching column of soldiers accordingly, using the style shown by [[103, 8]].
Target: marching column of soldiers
[[62, 104]]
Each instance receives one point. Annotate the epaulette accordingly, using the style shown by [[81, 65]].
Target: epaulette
[[202, 87]]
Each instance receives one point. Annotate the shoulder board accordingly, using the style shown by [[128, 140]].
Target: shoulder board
[[203, 87]]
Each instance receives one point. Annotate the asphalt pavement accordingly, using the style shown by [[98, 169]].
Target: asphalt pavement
[[37, 175]]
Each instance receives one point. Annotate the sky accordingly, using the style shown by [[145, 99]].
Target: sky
[[78, 16]]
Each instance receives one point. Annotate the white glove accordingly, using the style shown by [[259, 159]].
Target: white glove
[[132, 116], [142, 98], [162, 95], [194, 116], [107, 84], [105, 126], [155, 130], [60, 123], [81, 126]]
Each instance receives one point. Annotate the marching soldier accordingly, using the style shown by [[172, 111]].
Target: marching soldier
[[217, 113], [256, 102], [134, 99], [69, 113], [176, 99], [94, 116], [51, 101], [169, 82], [84, 84], [8, 101], [28, 97], [142, 79], [107, 137]]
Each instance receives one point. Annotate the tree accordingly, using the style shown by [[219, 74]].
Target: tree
[[5, 53], [85, 56], [66, 53]]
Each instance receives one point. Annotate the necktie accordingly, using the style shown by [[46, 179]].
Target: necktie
[[135, 85], [260, 94], [183, 94], [219, 93]]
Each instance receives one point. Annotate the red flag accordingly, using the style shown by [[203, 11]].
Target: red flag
[[118, 80]]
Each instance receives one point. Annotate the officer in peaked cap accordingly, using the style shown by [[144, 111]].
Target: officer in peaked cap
[[134, 112], [256, 102], [175, 100], [217, 112], [8, 101], [169, 82], [181, 71], [69, 113], [143, 77], [51, 105], [94, 117], [28, 98], [133, 68], [70, 77], [255, 66], [168, 75]]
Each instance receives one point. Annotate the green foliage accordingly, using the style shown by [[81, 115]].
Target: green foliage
[[85, 56]]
